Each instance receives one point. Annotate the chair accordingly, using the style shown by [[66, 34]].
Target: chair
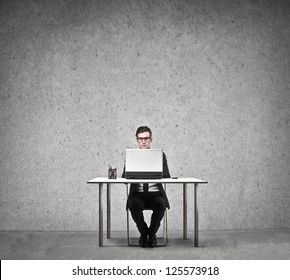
[[161, 240]]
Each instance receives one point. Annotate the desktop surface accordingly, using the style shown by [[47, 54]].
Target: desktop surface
[[163, 180]]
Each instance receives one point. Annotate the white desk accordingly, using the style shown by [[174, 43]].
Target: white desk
[[184, 181]]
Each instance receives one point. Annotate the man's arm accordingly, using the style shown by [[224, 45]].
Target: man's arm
[[123, 174], [166, 173]]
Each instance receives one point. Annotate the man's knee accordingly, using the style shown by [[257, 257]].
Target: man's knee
[[136, 206], [159, 203]]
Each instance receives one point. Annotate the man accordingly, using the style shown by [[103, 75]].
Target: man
[[150, 196]]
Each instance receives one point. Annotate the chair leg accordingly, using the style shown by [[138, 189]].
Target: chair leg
[[166, 226], [128, 228]]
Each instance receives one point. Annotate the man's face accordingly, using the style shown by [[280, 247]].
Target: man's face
[[144, 140]]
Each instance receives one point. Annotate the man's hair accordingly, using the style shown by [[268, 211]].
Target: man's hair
[[142, 129]]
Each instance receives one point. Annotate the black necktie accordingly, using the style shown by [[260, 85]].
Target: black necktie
[[145, 187]]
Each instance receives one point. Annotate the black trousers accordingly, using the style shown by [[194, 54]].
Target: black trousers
[[150, 200]]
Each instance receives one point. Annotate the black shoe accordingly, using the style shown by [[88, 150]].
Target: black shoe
[[143, 240], [152, 241]]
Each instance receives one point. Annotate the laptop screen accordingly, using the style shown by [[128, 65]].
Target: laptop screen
[[144, 164]]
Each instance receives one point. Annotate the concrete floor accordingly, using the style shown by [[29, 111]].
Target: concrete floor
[[263, 245]]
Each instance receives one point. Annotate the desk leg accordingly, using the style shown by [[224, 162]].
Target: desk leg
[[195, 237], [128, 222], [100, 215], [184, 211], [108, 211]]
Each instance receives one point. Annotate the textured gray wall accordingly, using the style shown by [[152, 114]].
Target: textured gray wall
[[211, 78]]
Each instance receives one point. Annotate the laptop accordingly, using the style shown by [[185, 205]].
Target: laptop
[[144, 164]]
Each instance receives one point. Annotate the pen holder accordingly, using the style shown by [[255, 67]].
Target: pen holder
[[112, 172]]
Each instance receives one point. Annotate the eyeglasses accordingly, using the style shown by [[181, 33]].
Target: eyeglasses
[[141, 139]]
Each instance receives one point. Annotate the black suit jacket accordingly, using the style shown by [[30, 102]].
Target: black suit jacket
[[134, 187]]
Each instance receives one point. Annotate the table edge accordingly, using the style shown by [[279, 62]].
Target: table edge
[[130, 181]]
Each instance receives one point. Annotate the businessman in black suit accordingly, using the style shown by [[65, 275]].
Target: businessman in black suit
[[150, 196]]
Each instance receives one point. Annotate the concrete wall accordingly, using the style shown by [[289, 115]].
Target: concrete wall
[[211, 78]]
